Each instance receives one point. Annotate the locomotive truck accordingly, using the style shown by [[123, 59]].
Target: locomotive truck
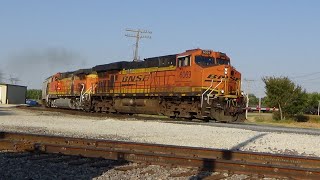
[[197, 83]]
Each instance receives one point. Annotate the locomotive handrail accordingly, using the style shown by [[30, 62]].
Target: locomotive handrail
[[91, 90], [213, 90], [205, 93], [81, 93], [87, 92]]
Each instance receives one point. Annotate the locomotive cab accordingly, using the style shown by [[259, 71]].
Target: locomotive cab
[[214, 69], [218, 83]]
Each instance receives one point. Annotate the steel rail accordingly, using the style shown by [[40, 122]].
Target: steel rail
[[204, 158], [266, 158]]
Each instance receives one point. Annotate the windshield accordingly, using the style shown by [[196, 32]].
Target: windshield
[[210, 61], [222, 61]]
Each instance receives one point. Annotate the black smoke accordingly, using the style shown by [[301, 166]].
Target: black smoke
[[33, 66]]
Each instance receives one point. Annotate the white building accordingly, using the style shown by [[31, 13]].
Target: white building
[[12, 94]]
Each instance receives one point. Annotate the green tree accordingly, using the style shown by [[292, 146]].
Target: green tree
[[313, 101], [253, 100], [284, 94], [264, 102], [34, 94]]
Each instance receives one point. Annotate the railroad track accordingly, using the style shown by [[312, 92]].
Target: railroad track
[[270, 165]]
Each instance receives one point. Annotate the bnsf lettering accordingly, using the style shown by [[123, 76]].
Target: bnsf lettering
[[139, 78], [135, 78], [131, 78], [212, 76]]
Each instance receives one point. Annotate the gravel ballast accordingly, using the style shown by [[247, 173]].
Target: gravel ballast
[[55, 123], [54, 166]]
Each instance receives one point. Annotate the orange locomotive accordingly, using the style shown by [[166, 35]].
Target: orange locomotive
[[198, 84]]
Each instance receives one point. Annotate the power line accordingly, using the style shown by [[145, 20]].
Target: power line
[[309, 80], [138, 36], [258, 88], [13, 80], [305, 75], [302, 76]]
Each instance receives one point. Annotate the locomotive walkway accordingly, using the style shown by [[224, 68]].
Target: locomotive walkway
[[270, 165]]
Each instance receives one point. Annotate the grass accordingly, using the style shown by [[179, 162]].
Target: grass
[[266, 118]]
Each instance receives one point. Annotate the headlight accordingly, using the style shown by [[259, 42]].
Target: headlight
[[222, 91]]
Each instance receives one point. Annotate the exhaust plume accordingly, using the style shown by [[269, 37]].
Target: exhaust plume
[[32, 66]]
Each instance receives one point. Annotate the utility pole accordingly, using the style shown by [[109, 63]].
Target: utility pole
[[13, 80], [248, 92], [318, 107], [138, 36], [259, 105]]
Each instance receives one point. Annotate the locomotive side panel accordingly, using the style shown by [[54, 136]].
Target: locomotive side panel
[[141, 83], [78, 84]]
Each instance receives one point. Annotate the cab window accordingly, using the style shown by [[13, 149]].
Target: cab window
[[223, 61], [205, 61], [184, 61]]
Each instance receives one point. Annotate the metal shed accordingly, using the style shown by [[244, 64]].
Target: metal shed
[[12, 94]]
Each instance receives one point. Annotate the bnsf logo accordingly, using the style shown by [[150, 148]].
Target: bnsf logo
[[213, 76], [135, 78]]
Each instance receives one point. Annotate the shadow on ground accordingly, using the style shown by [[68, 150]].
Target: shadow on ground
[[250, 140], [209, 166], [52, 166], [4, 112]]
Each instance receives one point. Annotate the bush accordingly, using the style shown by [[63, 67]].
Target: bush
[[276, 116], [301, 118], [314, 118], [34, 94]]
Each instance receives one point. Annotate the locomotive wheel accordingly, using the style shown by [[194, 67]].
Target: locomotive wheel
[[220, 116], [87, 106], [241, 117]]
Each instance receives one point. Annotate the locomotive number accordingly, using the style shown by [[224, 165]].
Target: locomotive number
[[185, 74]]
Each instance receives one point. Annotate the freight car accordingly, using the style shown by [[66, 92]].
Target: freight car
[[197, 83]]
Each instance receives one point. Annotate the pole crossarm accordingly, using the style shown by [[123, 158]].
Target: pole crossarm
[[138, 36]]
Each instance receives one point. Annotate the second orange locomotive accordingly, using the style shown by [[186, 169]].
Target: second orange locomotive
[[197, 83]]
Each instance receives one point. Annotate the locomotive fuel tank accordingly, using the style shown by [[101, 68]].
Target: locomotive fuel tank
[[142, 106], [62, 103]]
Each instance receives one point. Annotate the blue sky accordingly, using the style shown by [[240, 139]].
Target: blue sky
[[263, 38]]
